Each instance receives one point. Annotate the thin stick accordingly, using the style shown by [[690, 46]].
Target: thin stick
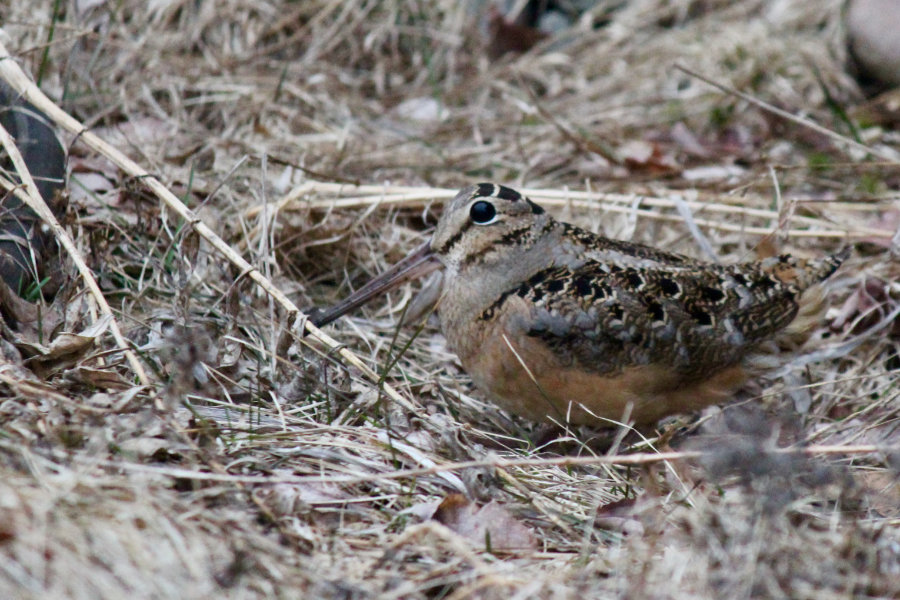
[[640, 458], [892, 159], [365, 196]]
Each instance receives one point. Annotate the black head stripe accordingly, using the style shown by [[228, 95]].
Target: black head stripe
[[485, 189], [492, 190], [506, 193]]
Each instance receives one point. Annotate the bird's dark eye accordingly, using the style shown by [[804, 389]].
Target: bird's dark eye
[[482, 212]]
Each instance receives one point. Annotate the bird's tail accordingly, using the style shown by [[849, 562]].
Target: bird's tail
[[800, 273], [813, 297], [820, 270]]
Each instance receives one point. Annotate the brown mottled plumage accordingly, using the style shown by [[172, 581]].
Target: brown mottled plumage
[[555, 322]]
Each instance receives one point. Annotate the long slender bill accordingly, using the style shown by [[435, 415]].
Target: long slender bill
[[417, 263]]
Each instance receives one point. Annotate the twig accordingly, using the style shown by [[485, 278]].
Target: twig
[[365, 196], [641, 458], [790, 117]]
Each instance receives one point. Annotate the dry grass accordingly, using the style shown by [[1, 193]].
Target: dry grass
[[258, 463]]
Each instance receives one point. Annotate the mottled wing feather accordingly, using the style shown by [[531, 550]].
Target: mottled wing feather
[[695, 320], [592, 243]]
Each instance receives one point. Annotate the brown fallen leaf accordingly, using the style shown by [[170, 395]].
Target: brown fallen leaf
[[14, 307], [104, 379], [63, 352], [639, 155], [505, 36], [491, 526]]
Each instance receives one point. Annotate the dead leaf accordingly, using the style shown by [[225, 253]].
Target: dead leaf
[[491, 526], [87, 186], [104, 379], [423, 510], [15, 307], [64, 351], [506, 36], [647, 156]]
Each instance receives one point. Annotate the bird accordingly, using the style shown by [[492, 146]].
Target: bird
[[558, 324]]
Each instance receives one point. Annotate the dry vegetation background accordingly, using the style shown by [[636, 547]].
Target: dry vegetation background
[[259, 464]]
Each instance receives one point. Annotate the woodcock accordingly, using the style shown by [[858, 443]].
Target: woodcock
[[557, 323]]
